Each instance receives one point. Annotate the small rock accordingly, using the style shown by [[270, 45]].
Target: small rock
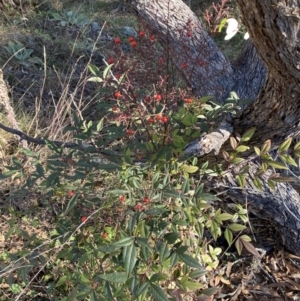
[[129, 31], [95, 26]]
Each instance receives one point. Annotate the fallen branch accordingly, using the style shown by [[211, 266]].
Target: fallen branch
[[210, 142]]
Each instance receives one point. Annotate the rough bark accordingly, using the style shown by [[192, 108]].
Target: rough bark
[[274, 29]]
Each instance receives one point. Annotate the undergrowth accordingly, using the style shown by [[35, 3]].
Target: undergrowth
[[123, 214]]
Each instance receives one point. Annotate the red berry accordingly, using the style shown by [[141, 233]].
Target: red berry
[[122, 198], [138, 207], [188, 100], [184, 65], [118, 75], [201, 63], [133, 44], [141, 33], [129, 132], [147, 98], [110, 60], [83, 219], [117, 94], [164, 119], [152, 37], [188, 34], [158, 117], [146, 200], [114, 108], [150, 120], [157, 97], [117, 40], [104, 235], [71, 193], [131, 39]]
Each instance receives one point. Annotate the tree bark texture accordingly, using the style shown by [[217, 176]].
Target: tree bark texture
[[274, 27], [267, 71]]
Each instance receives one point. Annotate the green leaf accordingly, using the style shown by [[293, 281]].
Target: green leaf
[[100, 125], [124, 242], [288, 159], [143, 242], [29, 153], [271, 184], [189, 260], [117, 277], [8, 174], [157, 293], [245, 238], [248, 134], [62, 280], [95, 79], [228, 236], [171, 237], [284, 146], [208, 197], [93, 69], [173, 260], [164, 252], [224, 216], [129, 258], [193, 286], [222, 24], [276, 164], [110, 248], [237, 160], [241, 179], [197, 273], [242, 148], [106, 71], [258, 183], [257, 150], [205, 99], [189, 168], [142, 289], [71, 203], [236, 227], [210, 291]]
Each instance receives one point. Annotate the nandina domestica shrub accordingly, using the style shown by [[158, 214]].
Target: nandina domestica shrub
[[134, 214]]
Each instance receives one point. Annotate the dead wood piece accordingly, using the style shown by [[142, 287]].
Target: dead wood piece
[[210, 142], [4, 99]]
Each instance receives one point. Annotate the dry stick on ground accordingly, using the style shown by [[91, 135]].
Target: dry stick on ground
[[4, 99]]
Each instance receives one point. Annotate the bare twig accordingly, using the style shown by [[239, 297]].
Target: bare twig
[[40, 141]]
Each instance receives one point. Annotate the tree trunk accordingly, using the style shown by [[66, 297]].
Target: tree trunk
[[274, 30]]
